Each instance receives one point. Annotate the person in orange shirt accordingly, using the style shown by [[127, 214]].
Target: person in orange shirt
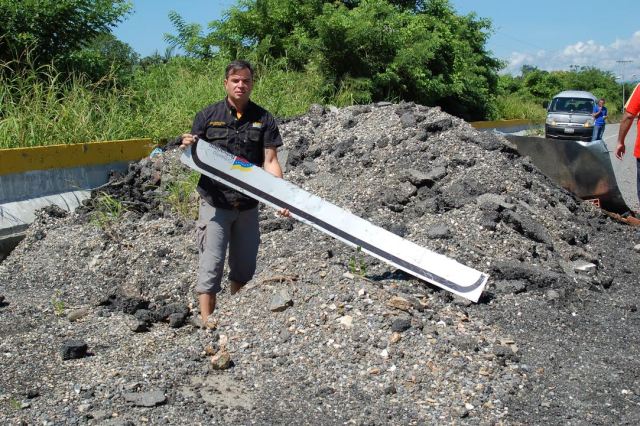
[[631, 111]]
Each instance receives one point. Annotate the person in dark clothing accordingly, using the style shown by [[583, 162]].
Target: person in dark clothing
[[227, 218]]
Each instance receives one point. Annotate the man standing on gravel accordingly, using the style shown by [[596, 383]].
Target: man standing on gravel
[[228, 218], [631, 111]]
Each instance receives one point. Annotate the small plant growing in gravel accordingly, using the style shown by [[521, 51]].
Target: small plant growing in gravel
[[180, 195], [357, 266], [57, 303], [107, 210], [15, 403]]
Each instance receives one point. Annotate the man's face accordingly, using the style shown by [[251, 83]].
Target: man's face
[[600, 103], [238, 85]]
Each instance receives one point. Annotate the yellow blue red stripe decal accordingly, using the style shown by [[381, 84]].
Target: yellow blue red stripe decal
[[241, 164]]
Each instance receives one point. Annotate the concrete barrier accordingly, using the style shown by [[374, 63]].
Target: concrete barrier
[[64, 175]]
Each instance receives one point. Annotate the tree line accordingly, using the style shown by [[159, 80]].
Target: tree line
[[536, 85], [372, 50]]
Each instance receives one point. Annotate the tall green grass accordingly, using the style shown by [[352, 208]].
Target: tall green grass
[[180, 194], [167, 96], [285, 93], [511, 107], [40, 107], [107, 210]]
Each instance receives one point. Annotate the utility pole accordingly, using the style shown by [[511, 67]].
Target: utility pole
[[622, 62]]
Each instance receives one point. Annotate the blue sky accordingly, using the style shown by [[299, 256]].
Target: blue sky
[[549, 34]]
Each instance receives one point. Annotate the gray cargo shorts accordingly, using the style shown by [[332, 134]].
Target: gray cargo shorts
[[218, 229]]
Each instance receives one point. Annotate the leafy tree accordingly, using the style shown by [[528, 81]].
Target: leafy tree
[[268, 29], [542, 84], [508, 84], [104, 56], [539, 85], [189, 38], [434, 56], [386, 49], [46, 31], [526, 69], [414, 5], [156, 58], [358, 42]]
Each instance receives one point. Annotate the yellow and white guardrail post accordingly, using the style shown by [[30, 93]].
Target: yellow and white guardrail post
[[36, 177]]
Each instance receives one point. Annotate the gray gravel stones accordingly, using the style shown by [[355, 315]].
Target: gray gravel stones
[[145, 399], [280, 301], [547, 344], [138, 326], [221, 360], [399, 325], [439, 231], [77, 314], [73, 349]]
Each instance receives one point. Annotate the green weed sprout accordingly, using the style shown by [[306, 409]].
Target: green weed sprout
[[58, 303], [357, 266], [107, 210], [15, 404], [180, 198]]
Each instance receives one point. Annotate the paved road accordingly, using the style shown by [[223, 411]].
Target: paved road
[[625, 169]]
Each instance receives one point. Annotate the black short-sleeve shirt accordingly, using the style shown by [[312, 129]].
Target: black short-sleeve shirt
[[246, 136]]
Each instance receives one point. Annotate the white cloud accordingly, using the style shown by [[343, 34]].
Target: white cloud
[[584, 53], [581, 49]]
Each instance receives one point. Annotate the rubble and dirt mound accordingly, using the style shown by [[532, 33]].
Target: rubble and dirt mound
[[324, 334]]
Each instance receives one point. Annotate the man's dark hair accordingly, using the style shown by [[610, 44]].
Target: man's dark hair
[[601, 99], [238, 65]]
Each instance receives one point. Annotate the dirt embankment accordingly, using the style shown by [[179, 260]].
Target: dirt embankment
[[94, 322]]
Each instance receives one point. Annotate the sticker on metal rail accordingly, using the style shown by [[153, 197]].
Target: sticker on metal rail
[[239, 174]]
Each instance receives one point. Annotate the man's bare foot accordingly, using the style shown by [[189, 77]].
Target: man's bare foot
[[235, 287], [209, 324]]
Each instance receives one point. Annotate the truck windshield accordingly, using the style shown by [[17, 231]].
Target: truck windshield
[[575, 105]]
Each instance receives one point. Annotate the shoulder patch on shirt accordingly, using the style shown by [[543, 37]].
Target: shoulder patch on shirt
[[217, 123], [256, 124]]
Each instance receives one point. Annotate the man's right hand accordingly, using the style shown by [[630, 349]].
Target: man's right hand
[[620, 150], [188, 139]]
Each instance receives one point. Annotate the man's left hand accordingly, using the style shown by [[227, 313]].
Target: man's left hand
[[284, 213]]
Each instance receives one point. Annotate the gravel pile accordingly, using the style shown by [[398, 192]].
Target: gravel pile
[[95, 321]]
